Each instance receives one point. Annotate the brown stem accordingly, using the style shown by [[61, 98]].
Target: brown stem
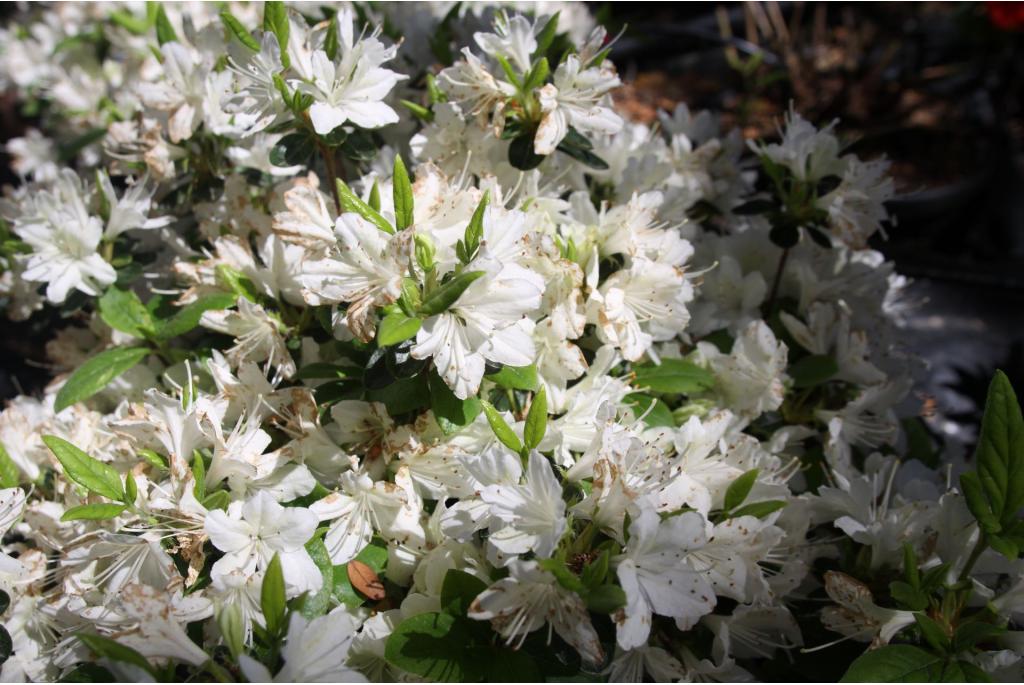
[[778, 278], [332, 173]]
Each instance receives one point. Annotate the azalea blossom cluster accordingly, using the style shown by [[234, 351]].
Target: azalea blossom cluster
[[388, 350]]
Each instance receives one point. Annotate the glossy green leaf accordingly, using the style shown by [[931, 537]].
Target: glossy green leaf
[[502, 430], [516, 377], [93, 512], [759, 509], [813, 370], [894, 664], [655, 413], [458, 591], [350, 202], [736, 493], [122, 310], [451, 413], [396, 328], [402, 191], [272, 597], [187, 318], [444, 297], [238, 31], [431, 645], [536, 420], [94, 375], [10, 474], [673, 376], [90, 473], [165, 32]]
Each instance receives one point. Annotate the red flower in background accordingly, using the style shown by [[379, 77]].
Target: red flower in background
[[1008, 16]]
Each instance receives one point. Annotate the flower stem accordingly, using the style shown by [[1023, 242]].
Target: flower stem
[[979, 547], [332, 173], [778, 279]]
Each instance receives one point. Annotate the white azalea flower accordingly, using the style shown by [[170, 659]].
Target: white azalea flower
[[360, 508], [353, 86], [656, 577], [530, 597], [315, 651], [250, 533], [487, 322], [365, 271], [635, 307], [64, 238], [750, 378], [258, 336], [856, 615], [533, 513], [514, 38], [12, 505], [573, 100]]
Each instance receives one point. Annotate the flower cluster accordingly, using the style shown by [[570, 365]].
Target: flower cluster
[[388, 350]]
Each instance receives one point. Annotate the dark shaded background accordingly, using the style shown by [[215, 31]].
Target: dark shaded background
[[935, 86]]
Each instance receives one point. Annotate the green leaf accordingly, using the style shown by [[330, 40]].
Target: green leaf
[[165, 32], [5, 601], [451, 413], [674, 376], [894, 664], [318, 604], [294, 149], [10, 474], [418, 110], [122, 310], [977, 503], [813, 370], [93, 512], [759, 509], [967, 635], [403, 395], [187, 318], [933, 633], [536, 420], [596, 571], [272, 597], [402, 190], [502, 430], [275, 20], [152, 458], [328, 370], [547, 35], [237, 282], [444, 297], [90, 473], [908, 596], [458, 591], [331, 38], [115, 651], [217, 500], [521, 154], [784, 235], [94, 375], [606, 599], [1000, 453], [565, 577], [1008, 548], [972, 674], [475, 230], [374, 199], [431, 645], [538, 75], [238, 31], [6, 645], [397, 327], [350, 202], [516, 377], [655, 412], [738, 490], [579, 148]]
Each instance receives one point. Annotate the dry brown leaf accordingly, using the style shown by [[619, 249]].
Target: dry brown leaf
[[365, 580]]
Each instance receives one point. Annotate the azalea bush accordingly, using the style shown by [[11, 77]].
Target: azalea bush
[[384, 348]]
